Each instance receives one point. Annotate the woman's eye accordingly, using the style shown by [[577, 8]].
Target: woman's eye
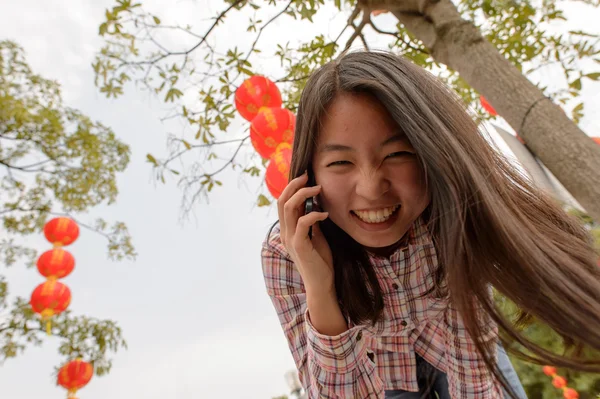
[[337, 163], [399, 154]]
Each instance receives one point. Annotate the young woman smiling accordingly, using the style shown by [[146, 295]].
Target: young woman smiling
[[418, 217]]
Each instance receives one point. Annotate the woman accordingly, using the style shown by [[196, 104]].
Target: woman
[[418, 216]]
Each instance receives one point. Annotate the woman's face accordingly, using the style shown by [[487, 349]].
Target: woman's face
[[372, 185]]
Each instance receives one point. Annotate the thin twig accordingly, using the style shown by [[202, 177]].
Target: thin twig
[[398, 37], [203, 40]]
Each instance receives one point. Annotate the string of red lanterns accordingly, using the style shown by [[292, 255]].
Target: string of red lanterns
[[258, 100], [53, 297], [560, 383]]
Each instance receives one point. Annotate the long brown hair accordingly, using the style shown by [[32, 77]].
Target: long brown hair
[[489, 224]]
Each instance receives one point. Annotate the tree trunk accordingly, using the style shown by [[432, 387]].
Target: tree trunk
[[557, 141]]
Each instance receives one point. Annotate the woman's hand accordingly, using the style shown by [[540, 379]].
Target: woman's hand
[[312, 256]]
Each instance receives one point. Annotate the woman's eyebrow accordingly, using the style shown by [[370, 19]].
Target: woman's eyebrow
[[335, 147], [394, 139]]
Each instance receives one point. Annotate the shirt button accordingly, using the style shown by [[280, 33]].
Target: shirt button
[[395, 286], [359, 336], [403, 323]]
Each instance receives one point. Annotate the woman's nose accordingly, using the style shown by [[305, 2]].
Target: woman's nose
[[372, 185]]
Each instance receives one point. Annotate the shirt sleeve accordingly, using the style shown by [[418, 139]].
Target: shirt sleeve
[[468, 376], [329, 366]]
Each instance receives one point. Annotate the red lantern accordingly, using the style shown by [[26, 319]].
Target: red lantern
[[559, 382], [254, 93], [549, 370], [50, 298], [570, 393], [279, 169], [75, 375], [56, 263], [61, 231], [271, 127], [487, 106]]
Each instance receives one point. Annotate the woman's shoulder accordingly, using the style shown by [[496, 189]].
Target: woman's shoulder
[[272, 244], [280, 273]]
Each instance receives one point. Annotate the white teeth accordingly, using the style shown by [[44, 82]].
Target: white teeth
[[376, 216]]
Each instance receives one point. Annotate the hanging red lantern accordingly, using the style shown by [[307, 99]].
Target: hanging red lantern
[[570, 393], [56, 263], [487, 106], [271, 127], [256, 92], [75, 375], [61, 231], [50, 298], [559, 382], [278, 169]]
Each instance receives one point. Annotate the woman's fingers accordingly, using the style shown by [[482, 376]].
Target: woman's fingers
[[294, 207], [304, 223], [287, 192]]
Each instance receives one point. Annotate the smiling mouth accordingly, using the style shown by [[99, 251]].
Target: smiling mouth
[[376, 215]]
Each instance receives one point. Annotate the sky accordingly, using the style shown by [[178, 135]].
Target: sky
[[193, 306]]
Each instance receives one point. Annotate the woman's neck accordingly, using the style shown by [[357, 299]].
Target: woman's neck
[[386, 252]]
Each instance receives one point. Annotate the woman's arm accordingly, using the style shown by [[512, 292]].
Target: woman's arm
[[331, 359]]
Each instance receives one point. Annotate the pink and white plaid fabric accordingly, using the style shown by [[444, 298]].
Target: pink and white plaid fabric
[[413, 321]]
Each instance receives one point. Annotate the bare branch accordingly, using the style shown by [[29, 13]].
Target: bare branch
[[202, 40], [192, 146], [260, 31], [398, 37], [231, 159], [357, 30]]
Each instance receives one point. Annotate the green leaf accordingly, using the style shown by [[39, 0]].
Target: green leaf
[[172, 94], [593, 76], [186, 144], [577, 112], [245, 71], [576, 84], [151, 159], [263, 201], [156, 20], [103, 29]]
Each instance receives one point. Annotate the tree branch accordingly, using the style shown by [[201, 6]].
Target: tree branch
[[398, 37], [230, 161], [192, 146], [202, 40], [265, 25], [357, 31]]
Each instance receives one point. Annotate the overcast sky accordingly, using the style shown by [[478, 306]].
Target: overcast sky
[[193, 306]]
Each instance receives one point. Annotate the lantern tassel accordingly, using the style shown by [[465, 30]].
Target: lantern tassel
[[48, 327]]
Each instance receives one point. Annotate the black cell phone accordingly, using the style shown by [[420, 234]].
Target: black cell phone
[[309, 204]]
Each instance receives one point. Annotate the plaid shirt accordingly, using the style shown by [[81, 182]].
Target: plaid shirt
[[339, 366]]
